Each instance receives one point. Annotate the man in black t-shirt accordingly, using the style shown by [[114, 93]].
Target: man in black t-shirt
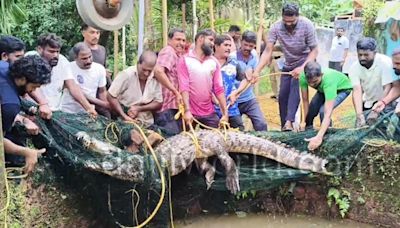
[[24, 76], [91, 38]]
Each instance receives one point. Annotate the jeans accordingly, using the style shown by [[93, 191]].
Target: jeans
[[15, 137], [336, 66], [166, 120], [236, 122], [289, 97], [211, 120], [252, 109], [317, 105]]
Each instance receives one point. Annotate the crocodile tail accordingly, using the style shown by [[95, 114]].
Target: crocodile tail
[[249, 144]]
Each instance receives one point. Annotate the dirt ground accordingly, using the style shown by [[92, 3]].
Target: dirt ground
[[343, 116]]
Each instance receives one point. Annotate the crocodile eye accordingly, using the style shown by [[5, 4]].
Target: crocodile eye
[[309, 161]]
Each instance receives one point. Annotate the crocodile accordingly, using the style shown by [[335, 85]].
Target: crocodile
[[178, 153]]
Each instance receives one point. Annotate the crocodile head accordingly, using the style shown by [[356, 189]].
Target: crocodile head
[[307, 161]]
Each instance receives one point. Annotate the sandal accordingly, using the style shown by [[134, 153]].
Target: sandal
[[287, 128]]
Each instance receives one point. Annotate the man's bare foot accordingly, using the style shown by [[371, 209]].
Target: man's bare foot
[[154, 138], [132, 149]]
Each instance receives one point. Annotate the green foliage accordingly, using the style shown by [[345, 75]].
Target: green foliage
[[361, 200], [323, 11], [11, 15], [335, 181], [45, 16], [341, 199], [16, 209], [61, 17], [246, 194], [386, 166], [370, 12]]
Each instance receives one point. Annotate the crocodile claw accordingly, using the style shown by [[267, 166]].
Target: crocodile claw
[[210, 177], [232, 182], [209, 183]]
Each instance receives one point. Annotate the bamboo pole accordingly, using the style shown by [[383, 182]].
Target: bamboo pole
[[260, 26], [259, 35], [211, 14], [195, 19], [123, 47], [149, 28], [2, 167], [116, 51], [165, 22], [141, 27], [184, 15]]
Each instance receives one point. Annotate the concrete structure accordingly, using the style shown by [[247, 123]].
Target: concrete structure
[[354, 31]]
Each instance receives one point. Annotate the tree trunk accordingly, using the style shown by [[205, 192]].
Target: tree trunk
[[141, 27], [195, 19], [211, 5], [104, 38], [116, 50], [184, 15], [123, 47], [247, 8], [259, 36], [3, 174], [165, 22], [149, 25]]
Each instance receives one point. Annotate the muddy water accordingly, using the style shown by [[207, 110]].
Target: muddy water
[[266, 221]]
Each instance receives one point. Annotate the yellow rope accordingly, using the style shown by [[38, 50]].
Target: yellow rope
[[8, 198], [192, 133], [199, 153], [134, 192], [171, 216], [114, 130], [375, 142], [224, 125], [19, 169], [179, 114], [267, 75], [159, 204]]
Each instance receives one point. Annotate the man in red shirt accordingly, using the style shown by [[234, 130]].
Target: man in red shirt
[[166, 74]]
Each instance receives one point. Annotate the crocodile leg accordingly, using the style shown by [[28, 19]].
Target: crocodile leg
[[219, 148], [232, 174], [205, 167]]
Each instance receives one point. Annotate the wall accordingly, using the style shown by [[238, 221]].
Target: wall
[[354, 30], [389, 43]]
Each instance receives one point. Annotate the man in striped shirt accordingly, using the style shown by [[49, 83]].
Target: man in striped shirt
[[297, 38], [166, 74]]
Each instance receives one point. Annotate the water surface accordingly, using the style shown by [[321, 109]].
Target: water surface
[[243, 220]]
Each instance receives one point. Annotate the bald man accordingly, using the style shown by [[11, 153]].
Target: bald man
[[135, 93]]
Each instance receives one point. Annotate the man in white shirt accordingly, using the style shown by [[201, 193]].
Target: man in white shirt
[[394, 92], [135, 93], [371, 77], [49, 46], [90, 76], [339, 49]]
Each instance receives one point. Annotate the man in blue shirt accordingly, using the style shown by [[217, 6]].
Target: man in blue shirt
[[231, 73], [24, 76], [247, 102], [12, 49]]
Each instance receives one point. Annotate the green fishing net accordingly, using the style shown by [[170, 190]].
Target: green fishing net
[[114, 197]]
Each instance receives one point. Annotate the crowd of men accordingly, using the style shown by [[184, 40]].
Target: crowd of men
[[211, 83]]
